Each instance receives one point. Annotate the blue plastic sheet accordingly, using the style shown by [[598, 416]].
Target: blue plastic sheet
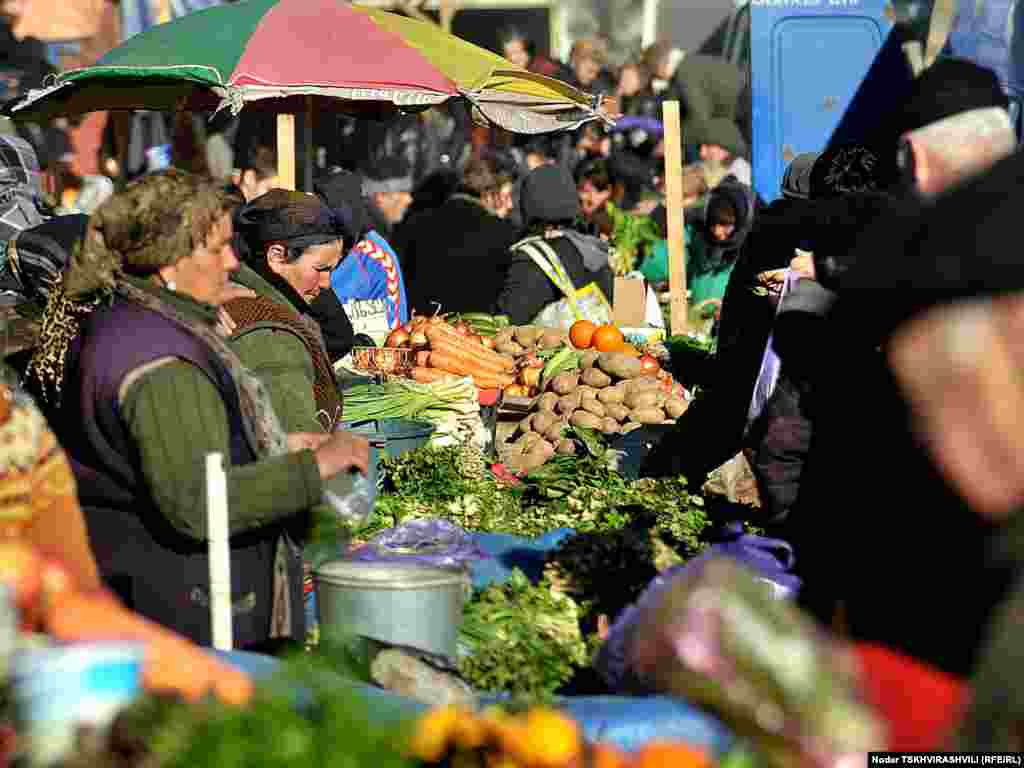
[[626, 722], [509, 552]]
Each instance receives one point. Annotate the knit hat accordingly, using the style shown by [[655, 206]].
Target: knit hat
[[948, 87], [390, 174], [796, 182], [548, 196], [718, 131], [848, 168], [343, 191]]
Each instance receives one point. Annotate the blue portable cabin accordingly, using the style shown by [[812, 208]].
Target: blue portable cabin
[[821, 71]]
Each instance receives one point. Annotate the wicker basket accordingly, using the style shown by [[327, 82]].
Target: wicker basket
[[383, 359]]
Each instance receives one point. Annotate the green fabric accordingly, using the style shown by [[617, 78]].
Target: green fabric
[[280, 359], [704, 279], [177, 416], [203, 47]]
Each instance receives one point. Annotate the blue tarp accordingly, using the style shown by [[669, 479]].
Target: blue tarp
[[626, 722]]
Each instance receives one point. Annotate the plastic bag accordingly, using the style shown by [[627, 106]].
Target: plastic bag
[[770, 560], [720, 641], [427, 542], [353, 508]]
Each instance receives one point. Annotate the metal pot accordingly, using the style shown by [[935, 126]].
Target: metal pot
[[395, 603]]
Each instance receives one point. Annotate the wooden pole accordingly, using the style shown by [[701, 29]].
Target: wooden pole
[[446, 14], [674, 210], [286, 151], [308, 150]]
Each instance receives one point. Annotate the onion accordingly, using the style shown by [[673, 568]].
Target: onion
[[517, 390], [462, 329], [397, 338], [649, 364], [418, 340], [408, 327], [532, 361], [530, 377], [435, 319], [422, 358]]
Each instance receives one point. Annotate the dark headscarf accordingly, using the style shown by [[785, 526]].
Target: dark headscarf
[[280, 216], [31, 262], [848, 168], [742, 200]]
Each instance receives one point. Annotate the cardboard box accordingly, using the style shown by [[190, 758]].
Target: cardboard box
[[629, 308]]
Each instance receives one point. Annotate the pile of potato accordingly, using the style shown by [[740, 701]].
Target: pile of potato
[[610, 393], [524, 339]]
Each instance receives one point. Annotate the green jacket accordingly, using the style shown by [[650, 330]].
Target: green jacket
[[280, 359], [176, 416], [704, 280]]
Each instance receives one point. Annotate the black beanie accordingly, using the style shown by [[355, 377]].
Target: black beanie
[[548, 196], [948, 87]]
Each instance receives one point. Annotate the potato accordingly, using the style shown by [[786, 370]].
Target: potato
[[586, 420], [627, 428], [589, 358], [643, 399], [551, 339], [646, 415], [547, 402], [533, 459], [569, 403], [676, 407], [564, 383], [617, 411], [508, 348], [610, 426], [595, 378], [530, 377], [545, 447], [504, 336], [611, 396], [526, 425], [566, 448], [527, 335], [592, 405], [586, 391], [529, 441], [642, 383], [541, 422], [619, 365], [554, 433]]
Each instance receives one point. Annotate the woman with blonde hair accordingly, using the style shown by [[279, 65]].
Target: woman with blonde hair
[[141, 385]]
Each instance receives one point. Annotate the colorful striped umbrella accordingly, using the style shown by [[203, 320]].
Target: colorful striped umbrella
[[265, 51]]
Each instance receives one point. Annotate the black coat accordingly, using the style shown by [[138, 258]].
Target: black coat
[[454, 255], [527, 290], [913, 566]]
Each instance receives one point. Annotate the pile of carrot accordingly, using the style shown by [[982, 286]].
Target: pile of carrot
[[451, 354]]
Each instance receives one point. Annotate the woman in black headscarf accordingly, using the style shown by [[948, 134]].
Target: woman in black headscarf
[[288, 244]]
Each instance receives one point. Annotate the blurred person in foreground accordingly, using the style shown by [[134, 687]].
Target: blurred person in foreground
[[137, 411]]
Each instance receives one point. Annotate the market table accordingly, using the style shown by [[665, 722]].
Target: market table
[[626, 722]]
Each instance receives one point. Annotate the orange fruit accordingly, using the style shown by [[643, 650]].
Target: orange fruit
[[608, 338], [630, 350], [581, 334], [553, 739], [433, 734], [607, 756], [668, 754]]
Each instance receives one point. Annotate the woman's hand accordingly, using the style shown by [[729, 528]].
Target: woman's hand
[[306, 441], [226, 325], [343, 452]]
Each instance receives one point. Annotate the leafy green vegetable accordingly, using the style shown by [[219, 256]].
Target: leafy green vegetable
[[521, 638], [631, 235], [564, 359]]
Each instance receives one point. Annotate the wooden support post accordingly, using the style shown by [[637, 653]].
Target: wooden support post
[[447, 12], [674, 208], [308, 150], [286, 151]]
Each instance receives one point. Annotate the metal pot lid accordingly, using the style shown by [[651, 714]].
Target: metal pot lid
[[361, 575]]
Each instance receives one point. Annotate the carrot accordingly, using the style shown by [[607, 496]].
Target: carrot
[[447, 348], [464, 366], [477, 351], [486, 382], [426, 375]]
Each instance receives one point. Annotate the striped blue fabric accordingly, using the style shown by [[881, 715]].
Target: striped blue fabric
[[139, 15]]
